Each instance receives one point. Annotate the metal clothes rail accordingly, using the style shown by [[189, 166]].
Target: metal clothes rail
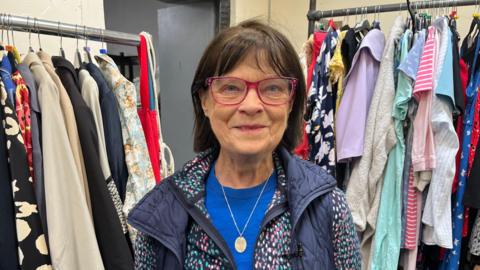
[[316, 15], [28, 24]]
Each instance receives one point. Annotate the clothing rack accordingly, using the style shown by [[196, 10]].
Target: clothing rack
[[316, 15], [28, 24]]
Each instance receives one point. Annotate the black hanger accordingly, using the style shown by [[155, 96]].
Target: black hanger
[[412, 16], [363, 26]]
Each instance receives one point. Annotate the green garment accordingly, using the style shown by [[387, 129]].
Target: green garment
[[387, 240]]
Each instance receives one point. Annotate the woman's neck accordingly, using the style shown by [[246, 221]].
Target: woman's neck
[[235, 171]]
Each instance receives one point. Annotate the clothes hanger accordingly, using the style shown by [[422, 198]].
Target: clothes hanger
[[86, 49], [59, 32], [103, 50], [364, 25], [376, 18], [13, 32], [35, 25], [345, 20], [78, 55], [412, 17], [331, 23], [30, 48]]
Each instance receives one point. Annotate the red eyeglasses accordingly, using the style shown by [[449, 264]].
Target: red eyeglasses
[[271, 91]]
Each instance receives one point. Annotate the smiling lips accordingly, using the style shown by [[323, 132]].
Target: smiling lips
[[250, 128]]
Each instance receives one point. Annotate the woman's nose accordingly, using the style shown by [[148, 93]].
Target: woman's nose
[[252, 102]]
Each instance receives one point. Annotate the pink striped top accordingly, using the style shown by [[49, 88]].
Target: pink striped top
[[423, 149]]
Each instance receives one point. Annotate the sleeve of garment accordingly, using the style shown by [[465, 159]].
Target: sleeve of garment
[[345, 241], [144, 252]]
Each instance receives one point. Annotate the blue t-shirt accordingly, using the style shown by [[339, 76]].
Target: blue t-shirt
[[241, 202]]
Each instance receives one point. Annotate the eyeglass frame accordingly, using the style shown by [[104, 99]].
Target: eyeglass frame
[[251, 85]]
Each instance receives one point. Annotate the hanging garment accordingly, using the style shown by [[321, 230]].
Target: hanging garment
[[460, 119], [409, 67], [320, 108], [437, 216], [35, 128], [453, 255], [349, 49], [71, 236], [167, 164], [8, 239], [147, 113], [366, 181], [70, 124], [337, 69], [423, 148], [32, 246], [457, 81], [89, 90], [141, 177], [6, 76], [351, 117], [408, 258], [303, 148], [387, 240], [22, 107], [112, 129], [471, 198], [108, 228]]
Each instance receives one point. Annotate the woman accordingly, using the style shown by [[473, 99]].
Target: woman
[[245, 202]]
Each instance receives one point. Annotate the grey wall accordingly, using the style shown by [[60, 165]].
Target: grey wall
[[184, 32], [180, 33]]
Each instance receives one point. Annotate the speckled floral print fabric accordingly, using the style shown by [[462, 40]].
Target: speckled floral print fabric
[[140, 178], [202, 253], [344, 234]]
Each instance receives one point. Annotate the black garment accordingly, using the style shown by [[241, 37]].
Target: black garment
[[111, 240], [349, 48], [30, 238], [471, 198], [468, 53], [8, 240], [112, 129], [457, 82]]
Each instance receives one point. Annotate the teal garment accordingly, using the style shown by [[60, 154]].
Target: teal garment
[[387, 241], [445, 82]]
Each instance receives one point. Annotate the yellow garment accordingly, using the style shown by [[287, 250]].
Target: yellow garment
[[14, 50], [337, 69]]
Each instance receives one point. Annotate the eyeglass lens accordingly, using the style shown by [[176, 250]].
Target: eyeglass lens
[[273, 91]]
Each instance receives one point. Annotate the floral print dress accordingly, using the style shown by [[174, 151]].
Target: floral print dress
[[320, 109]]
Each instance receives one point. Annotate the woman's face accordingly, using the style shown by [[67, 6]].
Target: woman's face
[[251, 127]]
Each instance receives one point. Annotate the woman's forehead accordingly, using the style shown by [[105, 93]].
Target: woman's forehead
[[256, 59]]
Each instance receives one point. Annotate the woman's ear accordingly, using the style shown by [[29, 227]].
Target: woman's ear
[[203, 94]]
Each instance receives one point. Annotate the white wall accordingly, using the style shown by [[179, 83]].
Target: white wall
[[82, 12]]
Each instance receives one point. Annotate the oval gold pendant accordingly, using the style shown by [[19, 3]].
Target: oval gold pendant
[[240, 244]]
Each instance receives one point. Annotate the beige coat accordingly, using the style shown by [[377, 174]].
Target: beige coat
[[72, 241], [70, 123]]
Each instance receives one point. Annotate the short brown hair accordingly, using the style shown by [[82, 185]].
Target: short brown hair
[[227, 50]]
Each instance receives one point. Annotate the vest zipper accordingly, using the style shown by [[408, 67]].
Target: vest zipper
[[206, 225], [269, 216]]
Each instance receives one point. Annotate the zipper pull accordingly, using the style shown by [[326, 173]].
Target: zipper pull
[[299, 252]]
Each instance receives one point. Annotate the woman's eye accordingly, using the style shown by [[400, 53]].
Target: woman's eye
[[231, 88], [273, 88]]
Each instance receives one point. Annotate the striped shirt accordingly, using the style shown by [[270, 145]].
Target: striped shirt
[[411, 215], [423, 150]]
